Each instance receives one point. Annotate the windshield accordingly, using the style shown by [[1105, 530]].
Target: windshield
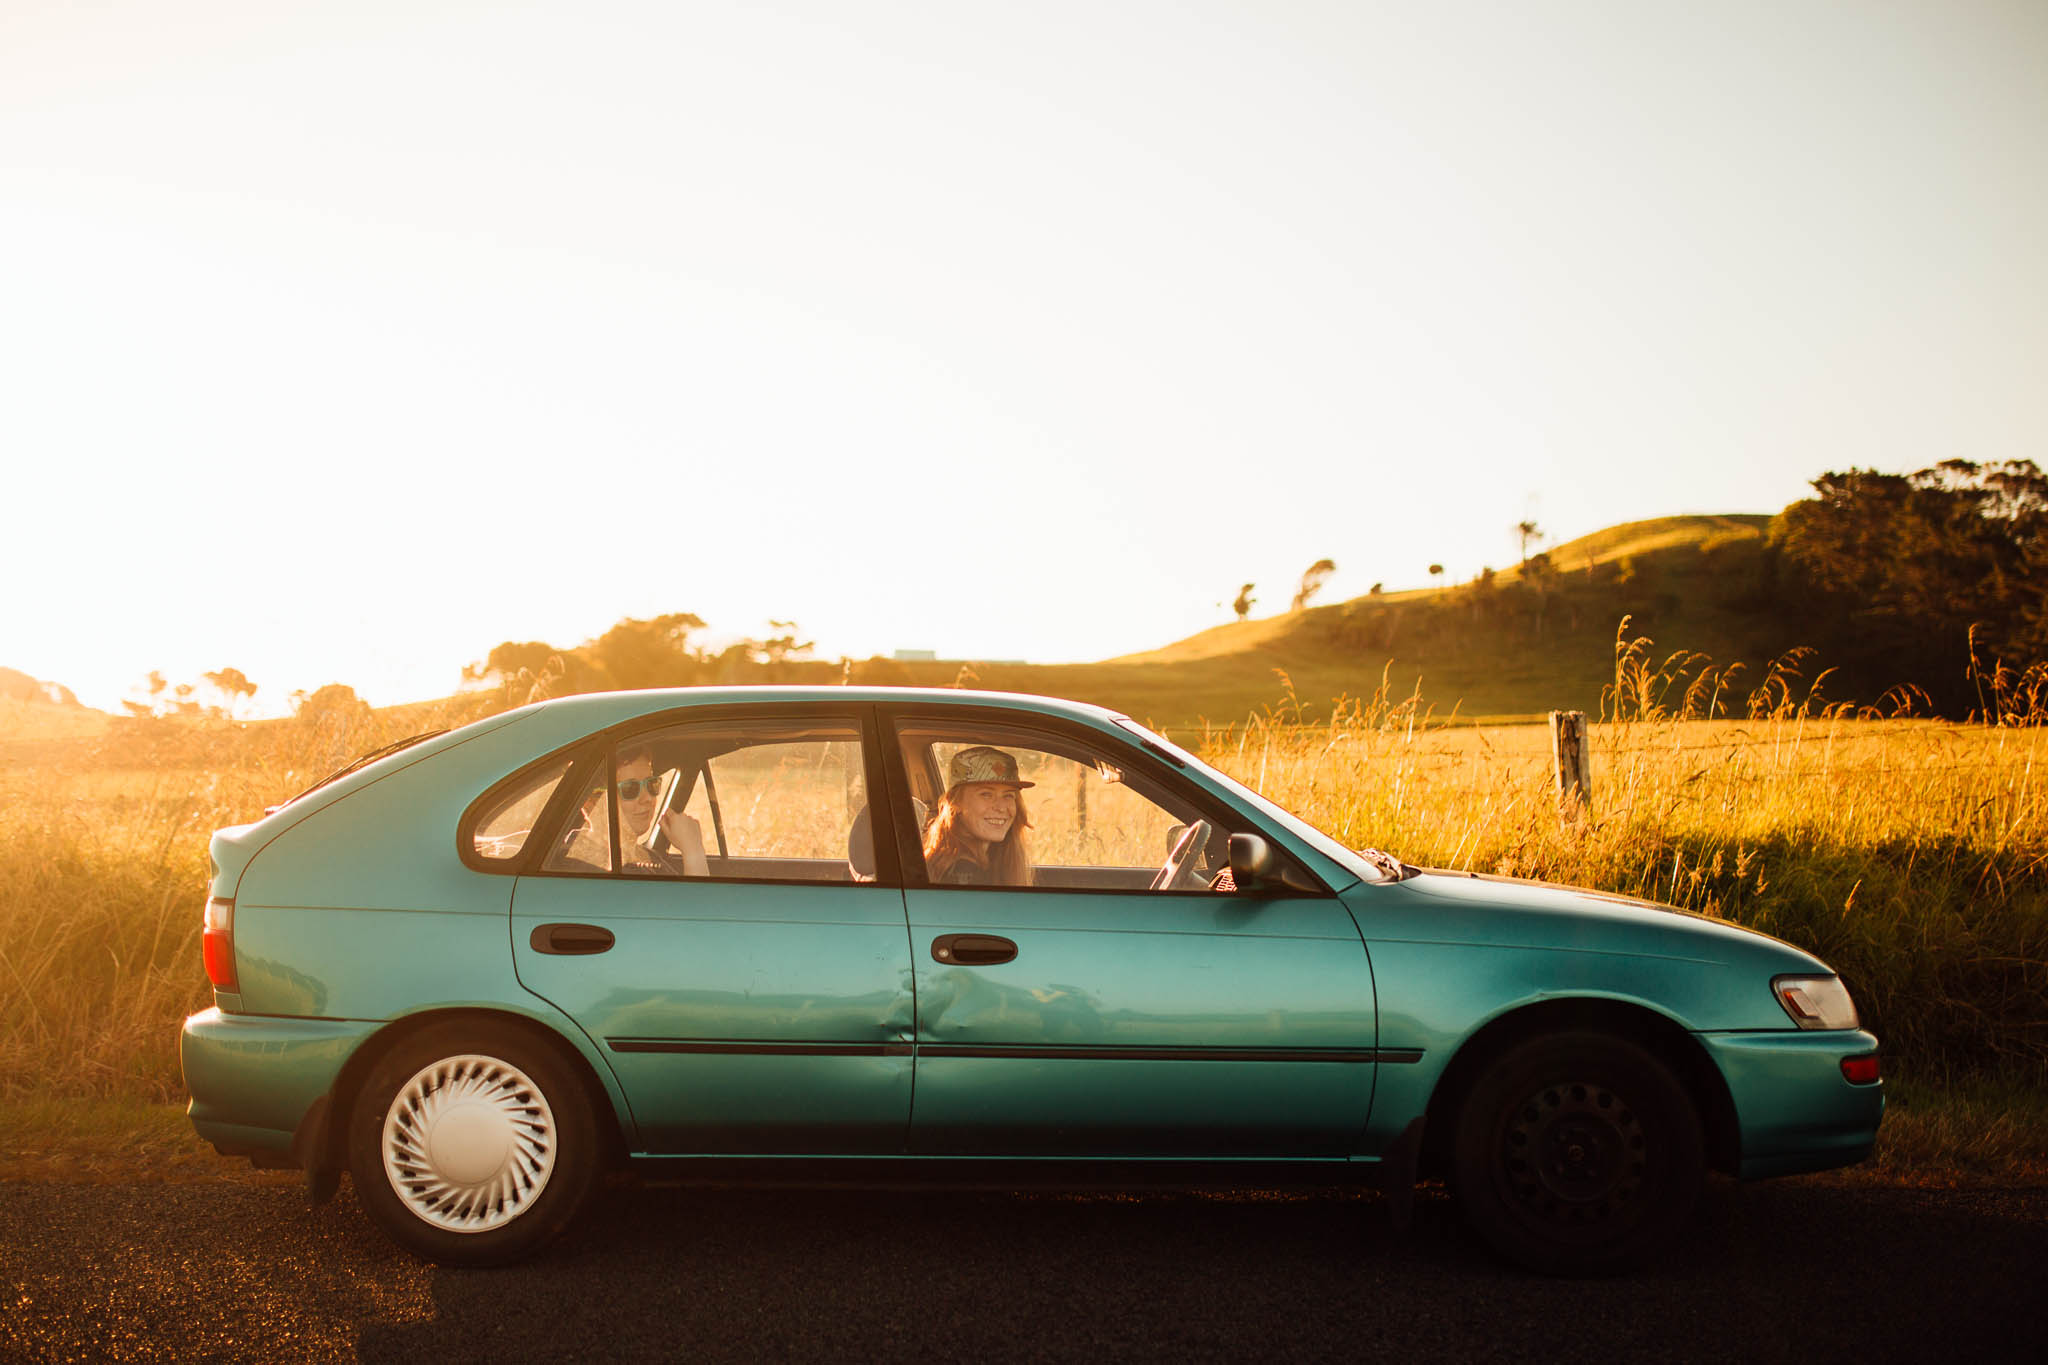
[[1368, 864]]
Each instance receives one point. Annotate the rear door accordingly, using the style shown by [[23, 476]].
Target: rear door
[[753, 993], [1087, 1014]]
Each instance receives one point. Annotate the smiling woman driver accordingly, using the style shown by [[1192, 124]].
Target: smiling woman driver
[[977, 837]]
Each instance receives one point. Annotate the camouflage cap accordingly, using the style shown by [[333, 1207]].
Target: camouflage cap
[[983, 764]]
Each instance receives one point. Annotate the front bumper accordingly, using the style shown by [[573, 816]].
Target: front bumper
[[1794, 1110], [252, 1077]]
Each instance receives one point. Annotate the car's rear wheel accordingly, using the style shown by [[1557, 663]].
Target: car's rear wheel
[[1578, 1153], [472, 1146]]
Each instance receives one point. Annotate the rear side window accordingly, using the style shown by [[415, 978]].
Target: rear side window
[[780, 799], [586, 845], [794, 799], [501, 832], [748, 800]]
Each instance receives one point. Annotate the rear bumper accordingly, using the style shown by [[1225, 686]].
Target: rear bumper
[[1794, 1110], [253, 1077]]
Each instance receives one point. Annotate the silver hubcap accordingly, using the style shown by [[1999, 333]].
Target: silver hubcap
[[469, 1143]]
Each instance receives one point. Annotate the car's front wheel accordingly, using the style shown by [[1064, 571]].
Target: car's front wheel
[[1577, 1153], [471, 1146]]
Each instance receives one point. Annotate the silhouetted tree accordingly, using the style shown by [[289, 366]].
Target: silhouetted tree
[[233, 686], [1891, 571], [1540, 576], [1530, 534], [507, 659], [777, 650], [1312, 580], [1243, 605], [650, 653], [334, 706]]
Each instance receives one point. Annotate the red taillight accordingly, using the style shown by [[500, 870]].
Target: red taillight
[[219, 942], [1861, 1070]]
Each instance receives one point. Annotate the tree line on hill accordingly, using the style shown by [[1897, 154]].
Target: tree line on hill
[[656, 652], [1937, 578], [1928, 589]]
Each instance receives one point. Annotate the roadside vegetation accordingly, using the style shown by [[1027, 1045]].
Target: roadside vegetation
[[1910, 853], [1878, 800]]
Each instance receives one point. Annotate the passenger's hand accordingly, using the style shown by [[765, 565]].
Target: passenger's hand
[[686, 836]]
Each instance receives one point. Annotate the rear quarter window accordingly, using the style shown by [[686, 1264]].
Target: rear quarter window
[[503, 827]]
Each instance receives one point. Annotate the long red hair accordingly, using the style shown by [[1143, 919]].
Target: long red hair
[[945, 847]]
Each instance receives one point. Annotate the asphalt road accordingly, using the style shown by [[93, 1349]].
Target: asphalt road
[[1789, 1270]]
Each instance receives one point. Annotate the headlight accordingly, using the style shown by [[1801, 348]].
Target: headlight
[[1816, 1001]]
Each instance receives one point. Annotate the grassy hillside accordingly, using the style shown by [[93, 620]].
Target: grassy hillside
[[1520, 643], [37, 720], [1514, 647]]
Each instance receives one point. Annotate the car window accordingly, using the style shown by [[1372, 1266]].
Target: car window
[[502, 830], [793, 799], [745, 800], [1080, 823], [585, 844], [1366, 869]]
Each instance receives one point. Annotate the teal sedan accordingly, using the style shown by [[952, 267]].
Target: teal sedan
[[877, 932]]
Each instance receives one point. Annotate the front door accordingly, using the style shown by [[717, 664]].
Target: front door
[[1087, 1013]]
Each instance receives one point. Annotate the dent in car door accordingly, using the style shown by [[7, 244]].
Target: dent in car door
[[1135, 1024]]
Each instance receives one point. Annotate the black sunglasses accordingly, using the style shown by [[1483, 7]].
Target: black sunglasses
[[629, 790]]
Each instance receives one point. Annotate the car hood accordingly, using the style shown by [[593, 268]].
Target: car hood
[[1462, 907]]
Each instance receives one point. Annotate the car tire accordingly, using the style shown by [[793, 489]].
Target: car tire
[[1577, 1154], [472, 1145]]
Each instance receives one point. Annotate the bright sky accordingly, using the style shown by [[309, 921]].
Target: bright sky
[[341, 341]]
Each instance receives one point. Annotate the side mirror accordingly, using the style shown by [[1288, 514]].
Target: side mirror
[[1252, 862]]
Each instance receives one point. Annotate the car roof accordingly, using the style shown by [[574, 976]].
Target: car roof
[[606, 708]]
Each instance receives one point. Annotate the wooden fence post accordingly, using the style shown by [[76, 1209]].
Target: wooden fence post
[[1574, 771]]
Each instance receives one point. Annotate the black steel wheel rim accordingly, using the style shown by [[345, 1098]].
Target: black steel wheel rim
[[1573, 1157]]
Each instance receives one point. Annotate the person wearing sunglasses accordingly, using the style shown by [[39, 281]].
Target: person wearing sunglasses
[[638, 790]]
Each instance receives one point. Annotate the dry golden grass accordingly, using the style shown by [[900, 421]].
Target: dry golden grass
[[1968, 1131], [113, 1141], [103, 875], [1911, 854]]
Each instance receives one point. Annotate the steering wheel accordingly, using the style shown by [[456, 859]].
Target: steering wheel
[[1176, 874]]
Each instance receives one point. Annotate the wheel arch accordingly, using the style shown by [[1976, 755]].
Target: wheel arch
[[1660, 1035], [328, 1142]]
